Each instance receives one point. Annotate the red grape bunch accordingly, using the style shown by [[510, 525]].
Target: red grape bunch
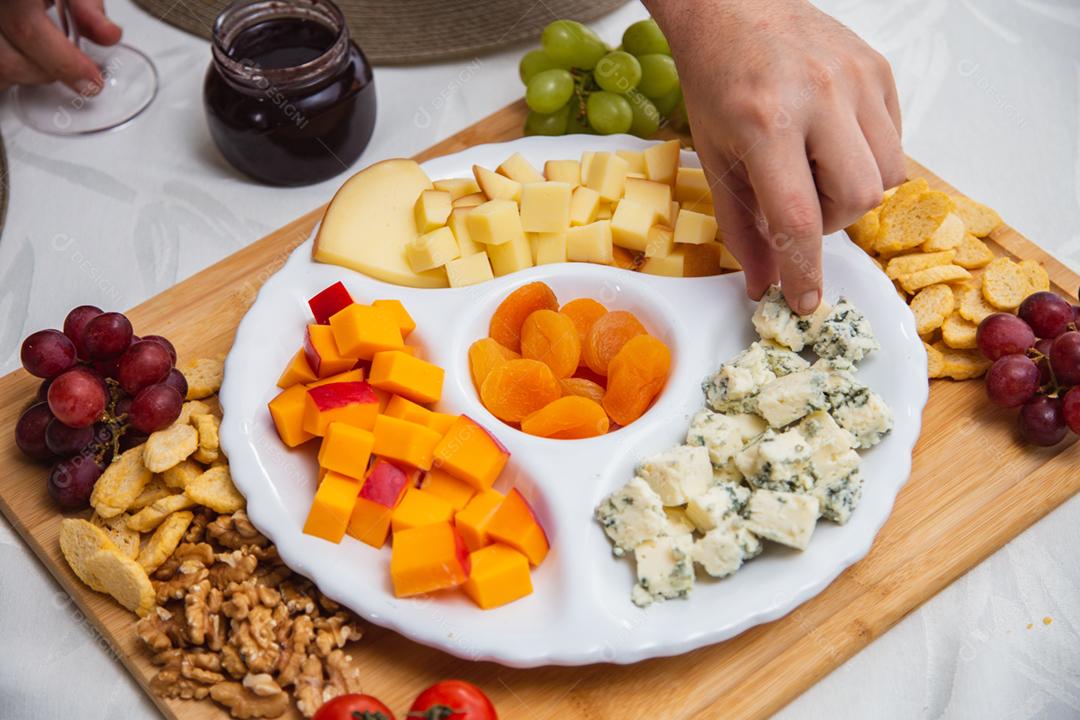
[[103, 390], [1036, 356]]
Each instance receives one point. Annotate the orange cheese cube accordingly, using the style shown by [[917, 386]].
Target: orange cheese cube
[[384, 399], [353, 403], [498, 575], [515, 524], [332, 506], [420, 508], [442, 484], [472, 522], [428, 558], [379, 495], [346, 449], [401, 316], [297, 371], [401, 373], [287, 410], [470, 453], [404, 441], [441, 422], [363, 330], [354, 375], [406, 409], [322, 353]]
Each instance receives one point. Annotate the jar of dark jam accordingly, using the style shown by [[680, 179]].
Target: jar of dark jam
[[290, 98]]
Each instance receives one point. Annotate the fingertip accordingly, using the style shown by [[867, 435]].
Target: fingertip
[[803, 302]]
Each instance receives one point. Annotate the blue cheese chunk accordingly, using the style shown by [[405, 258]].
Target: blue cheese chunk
[[861, 412], [665, 569], [728, 473], [775, 320], [839, 497], [725, 548], [789, 398], [731, 389], [679, 522], [846, 333], [678, 474], [723, 435], [631, 515], [778, 461], [832, 456], [785, 518], [781, 360], [716, 505]]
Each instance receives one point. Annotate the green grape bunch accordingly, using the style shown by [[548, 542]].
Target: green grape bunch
[[575, 83]]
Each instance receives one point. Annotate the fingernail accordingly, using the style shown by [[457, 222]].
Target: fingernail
[[87, 88], [808, 302]]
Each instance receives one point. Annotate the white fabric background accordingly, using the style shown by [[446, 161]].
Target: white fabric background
[[990, 100]]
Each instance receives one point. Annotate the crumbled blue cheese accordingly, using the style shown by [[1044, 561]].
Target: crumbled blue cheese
[[786, 399], [781, 360], [778, 461], [785, 518], [723, 549], [723, 435], [679, 522], [665, 569], [846, 333], [860, 411], [775, 320], [678, 474], [631, 515], [839, 497], [832, 455], [733, 387], [728, 473], [716, 505]]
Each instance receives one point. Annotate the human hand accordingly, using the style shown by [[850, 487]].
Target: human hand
[[797, 124], [34, 51]]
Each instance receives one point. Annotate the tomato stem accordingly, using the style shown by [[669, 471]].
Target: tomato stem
[[435, 712]]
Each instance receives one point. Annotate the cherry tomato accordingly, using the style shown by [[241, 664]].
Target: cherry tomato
[[353, 706], [453, 700]]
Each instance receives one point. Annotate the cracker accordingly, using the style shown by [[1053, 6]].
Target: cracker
[[972, 253], [979, 219], [1004, 285], [154, 491], [863, 232], [209, 443], [907, 222], [166, 448], [948, 235], [120, 484], [126, 539], [931, 306], [79, 541], [124, 579], [151, 516], [916, 281], [961, 364], [203, 377], [973, 307], [935, 361], [907, 264], [179, 475], [959, 333], [192, 407], [164, 540], [1036, 275], [215, 489]]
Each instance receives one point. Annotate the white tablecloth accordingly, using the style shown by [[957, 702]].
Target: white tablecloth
[[990, 98]]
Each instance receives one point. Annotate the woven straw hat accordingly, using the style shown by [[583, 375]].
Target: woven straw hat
[[401, 32]]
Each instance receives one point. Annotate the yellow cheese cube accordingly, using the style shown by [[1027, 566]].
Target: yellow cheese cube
[[660, 242], [586, 163], [604, 211], [469, 270], [636, 175], [495, 186], [584, 204], [517, 168], [702, 260], [458, 225], [704, 207], [661, 161], [672, 214], [457, 187], [432, 250], [431, 210], [635, 159], [545, 206], [607, 175], [548, 248], [567, 171], [670, 265], [694, 228], [495, 222], [590, 243], [727, 260], [651, 194], [511, 256], [691, 186], [630, 225], [470, 200]]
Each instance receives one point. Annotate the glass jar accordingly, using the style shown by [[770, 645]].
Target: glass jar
[[289, 97]]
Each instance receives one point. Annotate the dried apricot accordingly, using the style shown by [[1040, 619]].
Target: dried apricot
[[635, 377], [551, 338], [506, 322], [582, 387], [518, 388], [584, 312], [567, 418], [607, 336], [484, 356]]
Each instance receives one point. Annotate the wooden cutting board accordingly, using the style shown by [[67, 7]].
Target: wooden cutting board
[[973, 487]]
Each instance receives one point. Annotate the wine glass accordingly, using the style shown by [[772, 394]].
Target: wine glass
[[129, 84]]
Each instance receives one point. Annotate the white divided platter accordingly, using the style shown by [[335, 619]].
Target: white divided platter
[[580, 611]]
